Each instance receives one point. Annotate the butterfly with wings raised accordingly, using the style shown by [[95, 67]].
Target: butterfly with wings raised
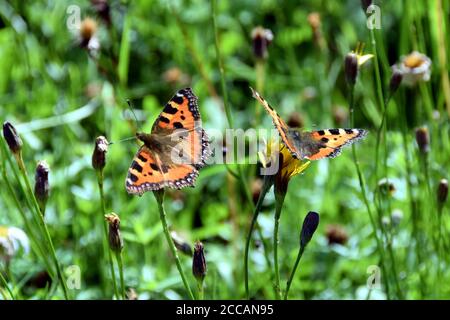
[[174, 151], [312, 145]]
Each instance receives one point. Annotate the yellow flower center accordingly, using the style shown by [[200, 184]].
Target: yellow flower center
[[3, 232], [413, 61]]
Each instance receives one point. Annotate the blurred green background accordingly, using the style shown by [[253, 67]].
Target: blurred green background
[[61, 95]]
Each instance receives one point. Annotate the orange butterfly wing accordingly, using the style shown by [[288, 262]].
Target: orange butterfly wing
[[329, 142], [151, 170], [182, 118], [280, 125]]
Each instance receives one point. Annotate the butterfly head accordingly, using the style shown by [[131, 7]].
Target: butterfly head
[[144, 137]]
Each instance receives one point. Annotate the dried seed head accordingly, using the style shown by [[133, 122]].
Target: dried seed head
[[365, 4], [310, 225], [103, 10], [261, 39], [199, 262], [88, 28], [181, 244], [115, 239], [442, 191], [423, 140], [99, 154], [41, 186], [336, 234], [295, 120], [396, 80], [12, 137], [386, 187], [351, 68], [340, 115]]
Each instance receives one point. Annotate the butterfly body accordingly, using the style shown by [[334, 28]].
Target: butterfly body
[[311, 145], [174, 151]]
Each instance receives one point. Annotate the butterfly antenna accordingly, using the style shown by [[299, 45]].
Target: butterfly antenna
[[130, 105], [122, 140]]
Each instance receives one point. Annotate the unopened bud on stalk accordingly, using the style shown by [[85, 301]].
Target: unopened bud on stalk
[[396, 80], [199, 262], [351, 68], [442, 191], [310, 225], [41, 186], [115, 239], [99, 154], [12, 137], [103, 10], [365, 4], [423, 140], [261, 39]]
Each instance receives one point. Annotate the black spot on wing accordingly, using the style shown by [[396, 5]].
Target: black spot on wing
[[177, 99], [142, 158], [154, 166], [334, 131], [178, 125], [321, 132], [132, 177], [164, 119], [169, 109], [136, 166], [324, 139]]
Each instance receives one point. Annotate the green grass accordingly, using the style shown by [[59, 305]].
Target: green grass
[[60, 100]]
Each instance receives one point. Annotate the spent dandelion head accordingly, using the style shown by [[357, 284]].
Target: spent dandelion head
[[41, 185], [261, 39], [115, 238], [12, 241], [88, 35], [386, 187], [414, 67]]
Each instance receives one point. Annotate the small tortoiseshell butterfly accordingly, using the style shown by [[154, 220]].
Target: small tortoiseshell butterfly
[[174, 151], [312, 145]]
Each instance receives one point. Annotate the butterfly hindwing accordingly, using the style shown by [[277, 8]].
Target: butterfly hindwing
[[280, 125], [148, 173], [328, 142], [174, 151]]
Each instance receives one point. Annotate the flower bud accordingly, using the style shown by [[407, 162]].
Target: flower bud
[[442, 191], [261, 39], [88, 28], [351, 68], [41, 187], [396, 80], [423, 140], [199, 262], [12, 137], [99, 154], [114, 237], [310, 225], [295, 120]]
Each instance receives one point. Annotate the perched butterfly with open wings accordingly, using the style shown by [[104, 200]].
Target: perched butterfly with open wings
[[313, 145], [174, 151]]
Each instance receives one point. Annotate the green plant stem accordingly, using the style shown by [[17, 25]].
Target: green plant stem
[[294, 269], [5, 284], [364, 194], [105, 233], [220, 64], [278, 206], [159, 195], [122, 281], [201, 291], [266, 186], [43, 226]]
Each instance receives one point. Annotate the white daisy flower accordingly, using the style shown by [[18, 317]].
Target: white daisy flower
[[415, 67]]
